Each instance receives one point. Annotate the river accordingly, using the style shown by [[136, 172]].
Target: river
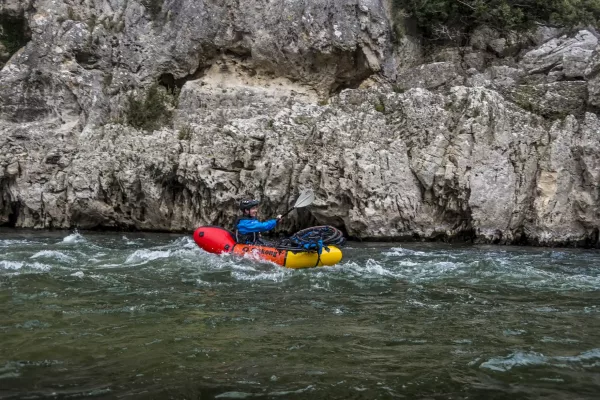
[[124, 315]]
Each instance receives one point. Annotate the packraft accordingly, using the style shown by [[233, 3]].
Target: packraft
[[311, 247]]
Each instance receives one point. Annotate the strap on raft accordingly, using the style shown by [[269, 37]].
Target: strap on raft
[[315, 238]]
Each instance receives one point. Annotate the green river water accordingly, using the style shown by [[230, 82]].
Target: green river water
[[136, 316]]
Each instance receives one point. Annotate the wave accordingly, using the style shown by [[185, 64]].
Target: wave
[[140, 257], [74, 237], [548, 339], [53, 254], [18, 265], [586, 359], [33, 324], [16, 242], [129, 242], [401, 251], [143, 256], [532, 271], [278, 275], [407, 270]]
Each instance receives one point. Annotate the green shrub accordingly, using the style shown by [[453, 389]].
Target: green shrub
[[92, 22], [13, 33], [72, 15], [185, 132], [107, 79], [440, 19], [153, 111], [304, 120]]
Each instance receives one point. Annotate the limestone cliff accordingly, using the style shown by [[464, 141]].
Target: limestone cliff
[[496, 141]]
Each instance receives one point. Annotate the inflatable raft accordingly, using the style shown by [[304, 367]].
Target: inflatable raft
[[218, 240]]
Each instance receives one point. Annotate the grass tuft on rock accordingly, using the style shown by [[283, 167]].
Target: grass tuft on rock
[[152, 111]]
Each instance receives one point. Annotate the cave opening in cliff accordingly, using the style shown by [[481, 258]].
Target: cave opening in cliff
[[13, 215], [593, 240], [354, 72], [14, 34], [172, 84]]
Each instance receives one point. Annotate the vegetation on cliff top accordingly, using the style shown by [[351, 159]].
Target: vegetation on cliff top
[[438, 19]]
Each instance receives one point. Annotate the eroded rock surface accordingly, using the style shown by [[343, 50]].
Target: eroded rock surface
[[496, 142]]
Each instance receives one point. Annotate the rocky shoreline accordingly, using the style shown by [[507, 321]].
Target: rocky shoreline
[[497, 141]]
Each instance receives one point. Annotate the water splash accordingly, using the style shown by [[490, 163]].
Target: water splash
[[74, 237]]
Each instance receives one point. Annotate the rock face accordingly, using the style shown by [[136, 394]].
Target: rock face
[[496, 142]]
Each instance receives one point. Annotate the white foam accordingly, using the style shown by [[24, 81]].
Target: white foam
[[510, 332], [255, 256], [407, 263], [243, 267], [289, 392], [75, 237], [128, 242], [524, 272], [548, 339], [589, 355], [39, 266], [186, 252], [400, 251], [14, 265], [78, 274], [374, 268], [17, 265], [416, 303], [182, 243], [371, 269], [13, 242], [143, 256], [514, 270], [325, 287], [107, 266], [521, 359], [517, 359], [427, 271], [277, 276], [183, 248], [53, 254]]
